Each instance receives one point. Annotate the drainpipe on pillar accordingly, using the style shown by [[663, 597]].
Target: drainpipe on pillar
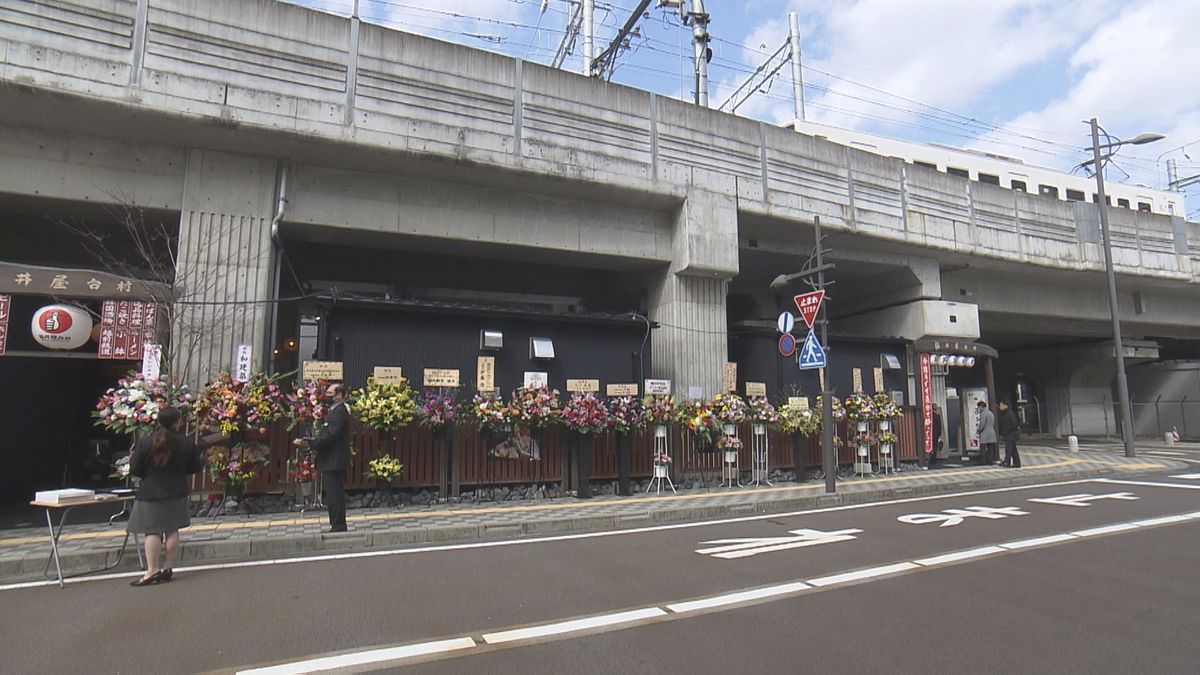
[[276, 265]]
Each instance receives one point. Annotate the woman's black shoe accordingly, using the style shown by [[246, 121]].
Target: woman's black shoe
[[167, 574], [155, 578]]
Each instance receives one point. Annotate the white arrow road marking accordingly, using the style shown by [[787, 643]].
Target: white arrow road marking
[[729, 549], [1085, 499], [952, 517]]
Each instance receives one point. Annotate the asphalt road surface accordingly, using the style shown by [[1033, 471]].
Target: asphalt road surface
[[1087, 576]]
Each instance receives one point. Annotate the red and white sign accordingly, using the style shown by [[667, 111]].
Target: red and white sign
[[5, 308], [61, 327], [927, 402], [809, 304]]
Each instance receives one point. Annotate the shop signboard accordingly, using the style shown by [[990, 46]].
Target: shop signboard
[[756, 389], [622, 390], [583, 386], [927, 402], [5, 308], [485, 373], [125, 326], [440, 377], [387, 374]]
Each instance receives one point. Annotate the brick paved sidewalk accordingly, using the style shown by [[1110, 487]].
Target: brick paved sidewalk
[[24, 552]]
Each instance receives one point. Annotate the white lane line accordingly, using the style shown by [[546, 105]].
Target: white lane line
[[543, 540], [1167, 453], [363, 658], [1177, 486], [859, 575], [1037, 541], [575, 625], [1107, 529], [737, 598], [1150, 522], [959, 555], [1188, 476]]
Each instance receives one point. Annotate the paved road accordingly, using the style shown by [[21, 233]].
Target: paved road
[[988, 581]]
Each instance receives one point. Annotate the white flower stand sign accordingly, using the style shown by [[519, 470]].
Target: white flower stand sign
[[661, 470], [759, 471], [862, 452], [731, 464]]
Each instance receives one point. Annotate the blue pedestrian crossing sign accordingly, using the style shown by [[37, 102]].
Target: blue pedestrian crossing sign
[[811, 354]]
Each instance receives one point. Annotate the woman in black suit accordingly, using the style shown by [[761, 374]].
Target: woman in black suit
[[163, 462]]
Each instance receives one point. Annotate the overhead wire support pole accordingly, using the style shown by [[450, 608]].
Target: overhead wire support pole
[[753, 82], [797, 72], [608, 58], [567, 44], [828, 451], [700, 37], [589, 8]]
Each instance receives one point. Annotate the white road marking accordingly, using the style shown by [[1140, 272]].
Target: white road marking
[[1084, 499], [1107, 529], [1147, 483], [363, 658], [1037, 541], [1188, 476], [859, 575], [959, 555], [572, 626], [952, 517], [739, 597], [745, 547], [1150, 522], [542, 540], [1167, 453]]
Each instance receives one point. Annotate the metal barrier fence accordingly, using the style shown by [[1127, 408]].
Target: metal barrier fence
[[1089, 416]]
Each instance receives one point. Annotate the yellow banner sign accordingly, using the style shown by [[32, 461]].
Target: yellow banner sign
[[441, 377]]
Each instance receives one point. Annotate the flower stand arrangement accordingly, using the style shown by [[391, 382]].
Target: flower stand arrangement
[[860, 412], [801, 423], [886, 414], [627, 416], [762, 416], [304, 475], [384, 407], [132, 406], [662, 471], [730, 447], [587, 416], [384, 469], [245, 412], [438, 413]]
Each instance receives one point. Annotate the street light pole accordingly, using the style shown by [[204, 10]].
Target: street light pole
[[1122, 383]]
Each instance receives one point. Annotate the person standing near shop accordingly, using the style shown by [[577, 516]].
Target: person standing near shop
[[987, 434], [937, 434], [163, 460], [333, 455], [1009, 428]]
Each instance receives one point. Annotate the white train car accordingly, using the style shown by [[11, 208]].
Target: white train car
[[1007, 172]]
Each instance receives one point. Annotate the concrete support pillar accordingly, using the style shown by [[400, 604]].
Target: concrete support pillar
[[691, 345], [223, 263]]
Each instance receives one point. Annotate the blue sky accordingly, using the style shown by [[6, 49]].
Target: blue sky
[[1010, 76]]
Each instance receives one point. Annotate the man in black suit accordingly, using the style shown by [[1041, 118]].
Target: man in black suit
[[1009, 428], [333, 455]]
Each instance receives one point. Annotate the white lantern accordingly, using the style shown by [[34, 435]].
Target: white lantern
[[970, 361], [61, 327]]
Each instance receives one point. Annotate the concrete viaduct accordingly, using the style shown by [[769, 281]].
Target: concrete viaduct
[[197, 107]]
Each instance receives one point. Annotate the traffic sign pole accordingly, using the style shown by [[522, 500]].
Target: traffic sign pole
[[828, 452]]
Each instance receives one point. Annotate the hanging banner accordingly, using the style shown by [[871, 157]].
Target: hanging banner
[[151, 361], [61, 326], [927, 401], [125, 326], [5, 308], [241, 363]]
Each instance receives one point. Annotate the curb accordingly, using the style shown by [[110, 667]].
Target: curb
[[30, 566]]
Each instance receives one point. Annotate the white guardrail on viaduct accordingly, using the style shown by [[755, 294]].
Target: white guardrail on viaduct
[[267, 65]]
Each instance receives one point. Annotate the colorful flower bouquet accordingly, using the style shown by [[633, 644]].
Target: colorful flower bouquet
[[732, 443], [238, 465], [229, 407], [489, 412], [383, 407], [437, 409], [796, 420], [698, 417], [304, 471], [534, 408], [586, 414], [885, 408], [384, 468], [627, 414], [134, 403], [839, 411], [659, 410], [859, 408], [762, 412], [887, 438], [120, 467], [730, 408], [661, 459], [308, 403]]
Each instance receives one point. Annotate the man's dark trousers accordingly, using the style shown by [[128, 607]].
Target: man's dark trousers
[[1012, 458], [335, 498]]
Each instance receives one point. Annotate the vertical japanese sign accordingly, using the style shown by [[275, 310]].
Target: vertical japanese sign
[[151, 361], [126, 326], [927, 402], [241, 364], [5, 309]]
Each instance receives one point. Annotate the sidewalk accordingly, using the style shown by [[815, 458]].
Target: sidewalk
[[23, 553]]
